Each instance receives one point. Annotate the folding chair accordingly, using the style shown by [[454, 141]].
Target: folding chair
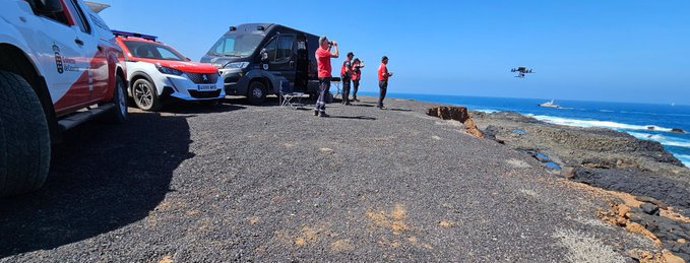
[[337, 82], [288, 97]]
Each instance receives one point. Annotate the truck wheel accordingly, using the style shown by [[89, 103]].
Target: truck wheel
[[24, 137], [119, 113], [257, 92], [145, 96]]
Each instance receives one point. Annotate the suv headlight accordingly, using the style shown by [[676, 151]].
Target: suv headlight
[[167, 70], [237, 65]]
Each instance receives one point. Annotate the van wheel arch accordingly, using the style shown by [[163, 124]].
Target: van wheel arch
[[265, 86]]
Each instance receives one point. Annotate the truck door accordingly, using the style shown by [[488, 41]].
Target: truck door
[[93, 59], [282, 58], [55, 42]]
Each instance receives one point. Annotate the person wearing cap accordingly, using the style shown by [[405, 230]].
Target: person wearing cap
[[323, 60], [346, 76], [383, 80], [357, 66]]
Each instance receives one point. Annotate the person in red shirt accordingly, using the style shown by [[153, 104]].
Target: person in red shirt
[[346, 76], [383, 80], [323, 60], [357, 66]]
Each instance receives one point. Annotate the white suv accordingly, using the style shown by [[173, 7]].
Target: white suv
[[157, 72]]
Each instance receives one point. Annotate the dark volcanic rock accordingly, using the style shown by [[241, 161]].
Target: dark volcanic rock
[[450, 113], [674, 193], [668, 231], [650, 209], [459, 114], [676, 130]]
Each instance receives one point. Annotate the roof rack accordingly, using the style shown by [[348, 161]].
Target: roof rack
[[132, 34]]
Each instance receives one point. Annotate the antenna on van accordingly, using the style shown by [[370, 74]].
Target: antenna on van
[[232, 28]]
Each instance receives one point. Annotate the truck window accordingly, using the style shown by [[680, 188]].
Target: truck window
[[51, 9], [79, 16], [285, 47]]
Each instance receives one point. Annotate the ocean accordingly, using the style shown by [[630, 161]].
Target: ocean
[[632, 118]]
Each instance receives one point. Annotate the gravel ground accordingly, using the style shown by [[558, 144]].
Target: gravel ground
[[270, 184]]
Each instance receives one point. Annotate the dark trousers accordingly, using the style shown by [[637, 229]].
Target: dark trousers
[[383, 86], [355, 85], [346, 90], [324, 86]]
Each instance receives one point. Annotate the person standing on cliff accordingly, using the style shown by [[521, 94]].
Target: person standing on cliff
[[357, 66], [323, 59], [346, 76], [383, 81]]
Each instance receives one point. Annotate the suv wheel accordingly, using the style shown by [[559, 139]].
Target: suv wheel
[[24, 137], [257, 92], [145, 96]]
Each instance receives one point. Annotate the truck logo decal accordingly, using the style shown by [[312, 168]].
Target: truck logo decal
[[58, 59]]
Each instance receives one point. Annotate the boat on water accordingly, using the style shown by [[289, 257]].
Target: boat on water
[[550, 104]]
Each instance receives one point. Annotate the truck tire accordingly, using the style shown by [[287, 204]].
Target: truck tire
[[119, 114], [256, 94], [145, 96], [24, 137]]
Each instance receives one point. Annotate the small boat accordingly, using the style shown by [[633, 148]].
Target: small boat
[[549, 104]]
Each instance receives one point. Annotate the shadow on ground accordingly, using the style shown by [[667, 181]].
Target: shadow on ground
[[196, 108], [364, 118], [103, 177]]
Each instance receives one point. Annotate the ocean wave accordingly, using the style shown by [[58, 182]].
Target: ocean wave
[[599, 124], [685, 159], [664, 140], [487, 110]]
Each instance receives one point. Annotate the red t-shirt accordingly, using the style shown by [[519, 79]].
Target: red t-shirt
[[323, 58], [383, 72], [356, 72]]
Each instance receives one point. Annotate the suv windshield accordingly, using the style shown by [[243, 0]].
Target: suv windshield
[[236, 45], [153, 51]]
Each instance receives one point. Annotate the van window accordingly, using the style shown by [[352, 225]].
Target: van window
[[236, 45], [285, 46], [79, 16], [51, 9]]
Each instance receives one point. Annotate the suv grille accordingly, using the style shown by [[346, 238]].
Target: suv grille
[[199, 78], [204, 94]]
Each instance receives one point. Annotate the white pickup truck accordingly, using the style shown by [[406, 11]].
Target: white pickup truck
[[59, 67]]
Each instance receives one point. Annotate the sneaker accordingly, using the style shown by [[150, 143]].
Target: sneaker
[[347, 104], [324, 115]]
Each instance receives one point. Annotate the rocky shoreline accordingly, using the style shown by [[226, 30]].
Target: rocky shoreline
[[609, 160]]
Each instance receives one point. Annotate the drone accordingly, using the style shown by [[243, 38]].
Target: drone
[[522, 72]]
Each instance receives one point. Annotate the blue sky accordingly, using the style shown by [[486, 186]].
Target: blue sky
[[617, 50]]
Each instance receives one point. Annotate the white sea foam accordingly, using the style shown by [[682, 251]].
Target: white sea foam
[[595, 123], [486, 110], [684, 158], [664, 140]]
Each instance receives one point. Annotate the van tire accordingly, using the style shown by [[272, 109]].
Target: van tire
[[145, 95], [256, 94], [24, 137], [119, 114]]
